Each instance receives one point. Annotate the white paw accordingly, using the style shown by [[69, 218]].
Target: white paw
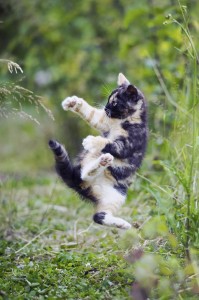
[[124, 225], [71, 103], [106, 159], [88, 143]]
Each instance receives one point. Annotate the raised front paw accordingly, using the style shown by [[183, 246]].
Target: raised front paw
[[89, 143], [106, 160], [72, 103]]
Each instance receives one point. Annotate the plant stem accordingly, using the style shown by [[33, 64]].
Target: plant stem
[[185, 28]]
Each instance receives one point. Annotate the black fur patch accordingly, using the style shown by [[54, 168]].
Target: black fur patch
[[99, 217], [121, 188], [120, 148], [132, 147], [121, 173]]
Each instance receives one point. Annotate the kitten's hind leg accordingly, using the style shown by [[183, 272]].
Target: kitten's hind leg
[[69, 173], [63, 165], [95, 167], [109, 203], [58, 150], [108, 219]]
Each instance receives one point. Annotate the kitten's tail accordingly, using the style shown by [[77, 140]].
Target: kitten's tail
[[70, 174]]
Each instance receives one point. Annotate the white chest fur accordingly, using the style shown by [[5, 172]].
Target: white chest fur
[[115, 129]]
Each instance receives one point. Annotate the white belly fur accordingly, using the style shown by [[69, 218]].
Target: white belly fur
[[110, 200]]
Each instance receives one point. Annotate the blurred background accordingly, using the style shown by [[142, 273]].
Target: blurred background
[[79, 47]]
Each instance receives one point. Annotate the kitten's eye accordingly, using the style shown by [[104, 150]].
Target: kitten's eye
[[114, 103]]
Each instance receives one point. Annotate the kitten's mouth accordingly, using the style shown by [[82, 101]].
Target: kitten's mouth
[[108, 112]]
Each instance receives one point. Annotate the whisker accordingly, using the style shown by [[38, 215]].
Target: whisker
[[106, 89]]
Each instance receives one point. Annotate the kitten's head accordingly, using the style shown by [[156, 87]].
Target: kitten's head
[[125, 100]]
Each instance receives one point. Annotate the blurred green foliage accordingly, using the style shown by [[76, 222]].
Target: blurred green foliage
[[68, 48]]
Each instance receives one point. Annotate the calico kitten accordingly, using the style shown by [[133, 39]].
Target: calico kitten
[[105, 168]]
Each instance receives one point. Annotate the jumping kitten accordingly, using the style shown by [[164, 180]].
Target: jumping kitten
[[105, 168]]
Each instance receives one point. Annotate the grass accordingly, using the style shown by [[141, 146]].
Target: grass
[[50, 247]]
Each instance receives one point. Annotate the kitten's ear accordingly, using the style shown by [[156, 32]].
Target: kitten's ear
[[122, 80], [131, 90]]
